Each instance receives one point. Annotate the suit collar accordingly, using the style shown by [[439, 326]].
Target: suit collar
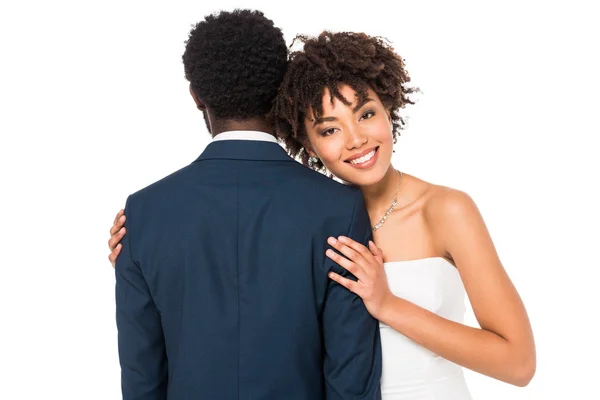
[[244, 150]]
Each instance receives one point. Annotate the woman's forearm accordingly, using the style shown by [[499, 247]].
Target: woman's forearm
[[480, 350]]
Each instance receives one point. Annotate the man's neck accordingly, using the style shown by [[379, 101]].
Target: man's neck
[[242, 125]]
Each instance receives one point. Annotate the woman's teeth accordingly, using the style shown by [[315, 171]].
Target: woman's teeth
[[363, 159]]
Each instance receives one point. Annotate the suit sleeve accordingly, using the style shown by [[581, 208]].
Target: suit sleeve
[[141, 341], [352, 363]]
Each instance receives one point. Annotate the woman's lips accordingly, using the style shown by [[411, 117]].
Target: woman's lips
[[365, 161]]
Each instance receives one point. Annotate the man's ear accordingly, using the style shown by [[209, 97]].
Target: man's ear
[[199, 103]]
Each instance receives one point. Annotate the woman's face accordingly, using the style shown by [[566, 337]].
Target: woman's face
[[354, 142]]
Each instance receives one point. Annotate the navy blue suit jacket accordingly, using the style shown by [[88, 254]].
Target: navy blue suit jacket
[[222, 289]]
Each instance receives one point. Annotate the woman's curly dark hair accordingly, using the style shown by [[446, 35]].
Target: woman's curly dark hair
[[235, 62], [328, 61]]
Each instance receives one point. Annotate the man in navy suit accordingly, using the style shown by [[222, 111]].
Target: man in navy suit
[[221, 284]]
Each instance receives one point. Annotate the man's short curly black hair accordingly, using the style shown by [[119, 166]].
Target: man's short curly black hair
[[235, 62], [328, 61]]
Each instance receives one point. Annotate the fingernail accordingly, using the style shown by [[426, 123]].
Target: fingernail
[[122, 218], [119, 246], [331, 240], [331, 274], [330, 253], [342, 239], [122, 230]]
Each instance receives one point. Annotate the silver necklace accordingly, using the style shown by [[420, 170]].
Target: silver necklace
[[392, 206]]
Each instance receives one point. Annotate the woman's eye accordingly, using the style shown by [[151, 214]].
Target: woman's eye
[[328, 132], [367, 115]]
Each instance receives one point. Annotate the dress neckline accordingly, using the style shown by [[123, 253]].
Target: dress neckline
[[426, 259]]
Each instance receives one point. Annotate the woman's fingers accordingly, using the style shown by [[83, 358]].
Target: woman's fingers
[[357, 247], [118, 224], [348, 265], [376, 251], [349, 252], [345, 282], [112, 257], [119, 214], [116, 238]]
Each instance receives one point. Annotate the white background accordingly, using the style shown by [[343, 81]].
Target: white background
[[94, 106]]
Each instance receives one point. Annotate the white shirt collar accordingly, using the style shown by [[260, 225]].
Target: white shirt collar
[[245, 135]]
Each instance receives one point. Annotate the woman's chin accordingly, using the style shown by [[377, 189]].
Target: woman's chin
[[360, 178]]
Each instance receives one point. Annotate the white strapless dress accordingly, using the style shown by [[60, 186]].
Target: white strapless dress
[[411, 372]]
